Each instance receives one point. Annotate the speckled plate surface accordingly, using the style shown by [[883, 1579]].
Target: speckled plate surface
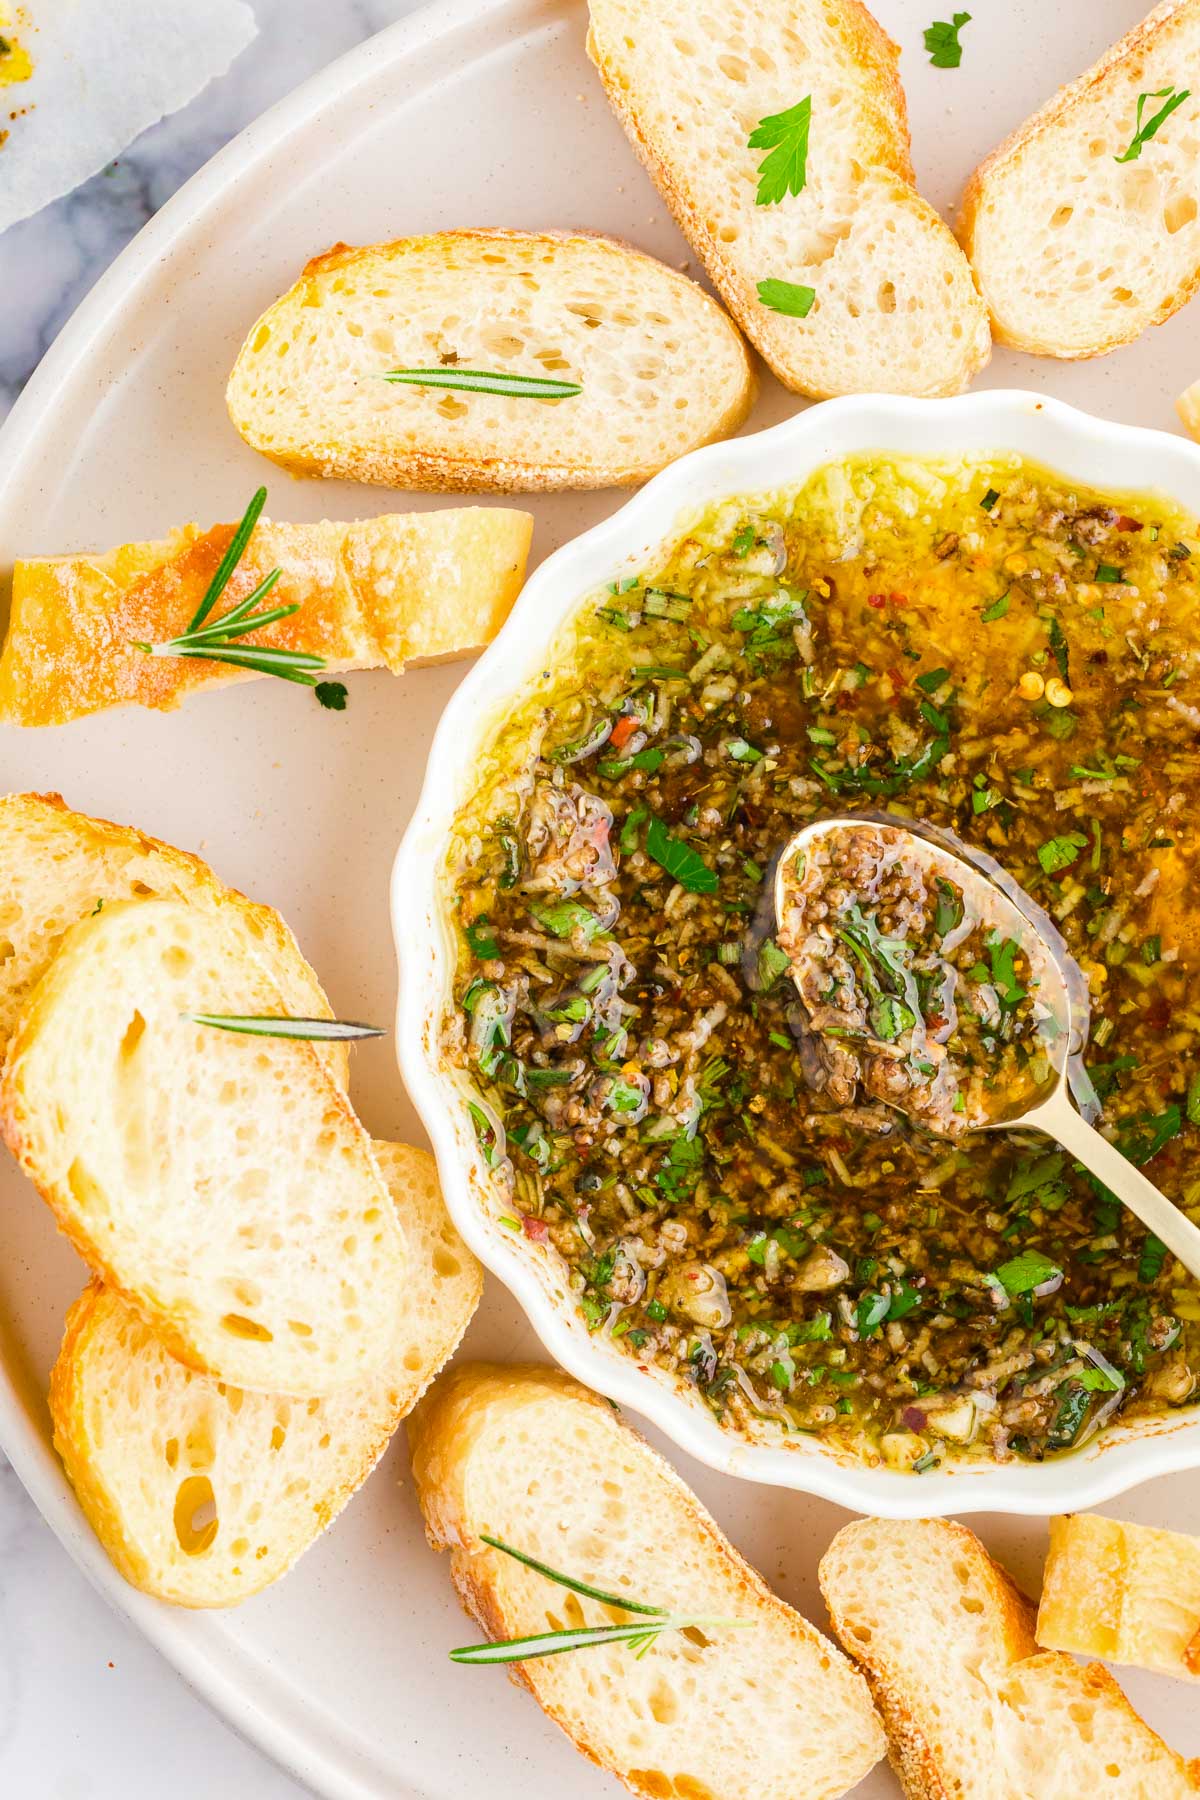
[[476, 112]]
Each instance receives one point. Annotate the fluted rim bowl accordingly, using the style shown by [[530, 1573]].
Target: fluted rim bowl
[[1071, 442]]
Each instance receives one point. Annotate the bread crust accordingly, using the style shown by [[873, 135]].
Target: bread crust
[[432, 470], [443, 1432], [875, 56], [1060, 108]]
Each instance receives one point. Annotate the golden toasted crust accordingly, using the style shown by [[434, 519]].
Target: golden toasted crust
[[1129, 1593], [389, 591], [452, 1435], [912, 1753], [125, 862], [1060, 109], [438, 469]]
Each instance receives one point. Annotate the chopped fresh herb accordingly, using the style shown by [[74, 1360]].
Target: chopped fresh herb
[[744, 540], [1193, 1096], [563, 918], [1144, 132], [1154, 1254], [1029, 1270], [772, 963], [680, 861], [785, 135], [1058, 644], [1060, 852], [941, 41], [1108, 572], [990, 498], [996, 610], [332, 695], [932, 680], [787, 297], [872, 1311], [481, 940], [487, 381]]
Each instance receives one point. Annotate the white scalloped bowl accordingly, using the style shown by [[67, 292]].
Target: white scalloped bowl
[[1090, 450]]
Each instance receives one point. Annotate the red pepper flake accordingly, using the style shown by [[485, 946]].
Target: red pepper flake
[[878, 601], [898, 599], [1124, 523], [896, 677], [534, 1228], [622, 731]]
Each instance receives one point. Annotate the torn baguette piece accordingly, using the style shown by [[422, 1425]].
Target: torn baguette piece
[[895, 307], [527, 1455], [660, 368], [973, 1711], [222, 1183], [58, 867], [1188, 408], [202, 1493], [400, 589], [1076, 251], [1128, 1593]]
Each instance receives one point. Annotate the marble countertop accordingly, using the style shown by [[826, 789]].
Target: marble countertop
[[88, 1711]]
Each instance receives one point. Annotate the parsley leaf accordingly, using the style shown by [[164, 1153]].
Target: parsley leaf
[[1060, 852], [679, 859], [1154, 1254], [786, 297], [996, 610], [481, 939], [331, 694], [941, 41], [1026, 1271], [785, 135], [562, 918], [1143, 133]]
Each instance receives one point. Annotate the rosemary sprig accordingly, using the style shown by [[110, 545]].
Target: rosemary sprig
[[639, 1634], [218, 642], [272, 1025], [488, 381]]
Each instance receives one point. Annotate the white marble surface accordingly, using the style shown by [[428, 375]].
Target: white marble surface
[[87, 1710]]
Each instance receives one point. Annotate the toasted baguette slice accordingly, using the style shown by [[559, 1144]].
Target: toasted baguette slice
[[220, 1182], [527, 1455], [972, 1711], [895, 309], [202, 1493], [1128, 1593], [59, 866], [661, 367], [404, 588], [1074, 251], [1188, 408]]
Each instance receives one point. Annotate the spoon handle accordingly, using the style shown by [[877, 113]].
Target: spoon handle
[[1161, 1216]]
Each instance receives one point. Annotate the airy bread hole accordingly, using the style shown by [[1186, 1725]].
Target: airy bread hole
[[886, 298], [664, 1706], [733, 67], [446, 1264], [199, 1450], [7, 950], [239, 1326], [498, 342], [261, 338], [969, 1604], [195, 1515], [171, 1452], [412, 1360], [695, 1636], [176, 960], [1123, 294], [1060, 216], [451, 407], [652, 1782], [1179, 211], [299, 1329], [85, 1190], [688, 1788], [134, 1032], [278, 1437]]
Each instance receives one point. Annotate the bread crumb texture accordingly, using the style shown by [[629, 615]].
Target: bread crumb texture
[[660, 367]]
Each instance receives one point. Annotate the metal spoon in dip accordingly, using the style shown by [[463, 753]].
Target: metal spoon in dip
[[934, 983]]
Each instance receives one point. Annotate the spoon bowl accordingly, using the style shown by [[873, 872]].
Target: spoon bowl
[[886, 1041]]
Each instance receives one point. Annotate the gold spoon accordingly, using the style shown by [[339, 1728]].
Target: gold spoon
[[995, 900]]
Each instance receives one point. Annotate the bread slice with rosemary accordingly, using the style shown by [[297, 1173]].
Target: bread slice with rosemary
[[839, 273], [1083, 227], [401, 589], [971, 1708], [767, 1707], [59, 866], [220, 1182], [1128, 1593], [520, 360], [202, 1493]]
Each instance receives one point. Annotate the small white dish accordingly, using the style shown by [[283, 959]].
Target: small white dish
[[1103, 455]]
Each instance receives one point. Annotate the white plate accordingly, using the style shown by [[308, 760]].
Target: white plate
[[466, 114]]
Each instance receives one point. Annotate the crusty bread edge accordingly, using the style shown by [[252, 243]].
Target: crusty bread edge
[[436, 472], [910, 1752], [24, 1144], [276, 932], [446, 1528], [735, 292], [1058, 107]]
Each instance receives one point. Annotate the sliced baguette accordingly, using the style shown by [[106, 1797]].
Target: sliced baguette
[[972, 1711], [527, 1455], [403, 588], [896, 309], [153, 1448], [1074, 251], [1128, 1593], [661, 368], [220, 1182], [59, 866]]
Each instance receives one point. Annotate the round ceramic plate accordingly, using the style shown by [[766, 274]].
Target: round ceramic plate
[[470, 113]]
